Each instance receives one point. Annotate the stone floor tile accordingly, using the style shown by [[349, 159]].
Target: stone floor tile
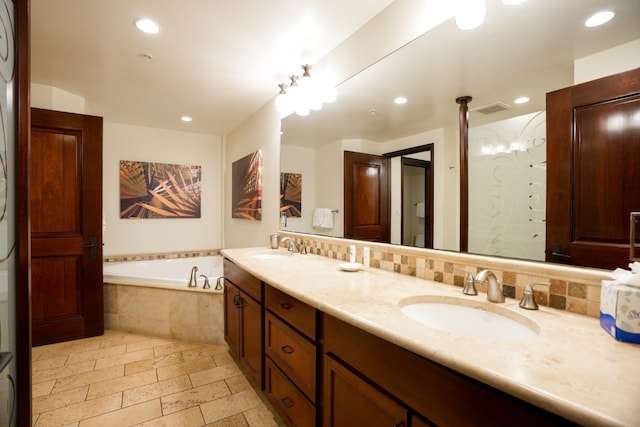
[[125, 417], [87, 378], [59, 400], [62, 372], [153, 363], [156, 390], [149, 343], [127, 382], [194, 397], [191, 417], [42, 389], [237, 420], [214, 374], [176, 346], [79, 411], [49, 363], [99, 353], [186, 368], [124, 358], [231, 405], [260, 416]]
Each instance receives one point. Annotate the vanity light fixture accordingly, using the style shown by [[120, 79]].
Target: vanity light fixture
[[400, 100], [146, 25], [521, 100], [599, 18]]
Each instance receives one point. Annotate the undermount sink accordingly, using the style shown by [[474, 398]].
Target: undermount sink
[[271, 256], [470, 318]]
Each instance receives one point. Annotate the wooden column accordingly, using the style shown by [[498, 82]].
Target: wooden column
[[464, 175]]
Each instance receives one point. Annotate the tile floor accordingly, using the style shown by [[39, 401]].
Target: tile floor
[[121, 379]]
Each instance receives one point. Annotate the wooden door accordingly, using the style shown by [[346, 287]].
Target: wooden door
[[366, 197], [593, 170], [232, 316], [251, 335], [65, 184]]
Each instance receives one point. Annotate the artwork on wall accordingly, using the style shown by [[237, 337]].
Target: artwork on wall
[[291, 194], [159, 190], [246, 183]]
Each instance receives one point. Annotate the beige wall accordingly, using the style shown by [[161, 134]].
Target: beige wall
[[126, 142]]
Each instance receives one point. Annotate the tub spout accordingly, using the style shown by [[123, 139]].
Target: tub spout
[[193, 280], [206, 282]]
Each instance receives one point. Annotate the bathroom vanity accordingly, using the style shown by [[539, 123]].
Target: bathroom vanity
[[337, 351]]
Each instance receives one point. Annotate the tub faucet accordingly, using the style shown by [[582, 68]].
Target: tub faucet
[[206, 285], [494, 290], [193, 280]]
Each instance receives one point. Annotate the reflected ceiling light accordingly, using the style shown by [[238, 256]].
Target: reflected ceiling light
[[186, 118], [599, 18], [521, 100], [470, 13], [400, 100], [147, 26]]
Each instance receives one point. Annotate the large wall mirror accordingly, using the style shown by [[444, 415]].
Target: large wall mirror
[[524, 50]]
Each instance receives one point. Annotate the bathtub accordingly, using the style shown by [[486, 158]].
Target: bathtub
[[152, 298], [174, 272]]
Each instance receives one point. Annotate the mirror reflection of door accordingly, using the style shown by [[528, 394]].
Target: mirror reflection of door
[[416, 200], [366, 197]]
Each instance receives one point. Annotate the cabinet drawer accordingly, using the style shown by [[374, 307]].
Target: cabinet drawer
[[243, 280], [292, 352], [292, 405], [300, 315]]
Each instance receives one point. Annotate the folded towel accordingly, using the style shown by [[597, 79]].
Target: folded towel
[[323, 218], [420, 210]]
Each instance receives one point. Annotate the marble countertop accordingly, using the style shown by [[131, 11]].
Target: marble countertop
[[572, 368]]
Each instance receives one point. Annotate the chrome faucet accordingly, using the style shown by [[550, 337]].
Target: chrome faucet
[[494, 290], [292, 244], [193, 280]]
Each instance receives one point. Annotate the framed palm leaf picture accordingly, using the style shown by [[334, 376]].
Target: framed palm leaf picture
[[159, 190], [291, 194], [246, 183]]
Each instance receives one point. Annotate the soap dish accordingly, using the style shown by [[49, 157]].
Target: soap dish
[[350, 266]]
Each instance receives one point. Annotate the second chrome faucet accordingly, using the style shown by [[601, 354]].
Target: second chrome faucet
[[494, 289]]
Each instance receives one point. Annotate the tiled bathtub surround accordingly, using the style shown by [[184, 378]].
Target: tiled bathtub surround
[[154, 256], [572, 289], [192, 315]]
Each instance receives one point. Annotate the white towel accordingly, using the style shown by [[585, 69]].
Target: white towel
[[420, 210], [323, 218]]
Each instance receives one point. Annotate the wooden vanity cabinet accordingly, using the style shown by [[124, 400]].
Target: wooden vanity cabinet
[[428, 390], [243, 318], [291, 357]]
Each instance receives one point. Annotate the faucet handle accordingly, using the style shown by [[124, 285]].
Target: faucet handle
[[469, 282], [528, 301], [206, 282]]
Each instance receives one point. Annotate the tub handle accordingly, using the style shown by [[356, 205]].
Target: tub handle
[[206, 282], [219, 282]]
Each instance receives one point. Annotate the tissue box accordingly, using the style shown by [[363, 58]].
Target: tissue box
[[620, 311]]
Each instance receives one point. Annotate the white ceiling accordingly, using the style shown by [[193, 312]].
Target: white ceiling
[[217, 61]]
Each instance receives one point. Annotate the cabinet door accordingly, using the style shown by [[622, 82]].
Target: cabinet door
[[351, 401], [232, 317], [251, 335]]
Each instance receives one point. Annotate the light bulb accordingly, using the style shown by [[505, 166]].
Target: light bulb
[[470, 13]]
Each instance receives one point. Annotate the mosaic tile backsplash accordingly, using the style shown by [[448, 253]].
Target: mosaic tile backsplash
[[572, 289]]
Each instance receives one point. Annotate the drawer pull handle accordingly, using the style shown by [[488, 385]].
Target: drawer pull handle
[[236, 300], [287, 349], [285, 305], [287, 403]]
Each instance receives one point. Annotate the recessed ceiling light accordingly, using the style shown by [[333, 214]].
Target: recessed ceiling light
[[186, 118], [146, 56], [521, 100], [599, 18], [400, 100], [513, 2], [147, 26]]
